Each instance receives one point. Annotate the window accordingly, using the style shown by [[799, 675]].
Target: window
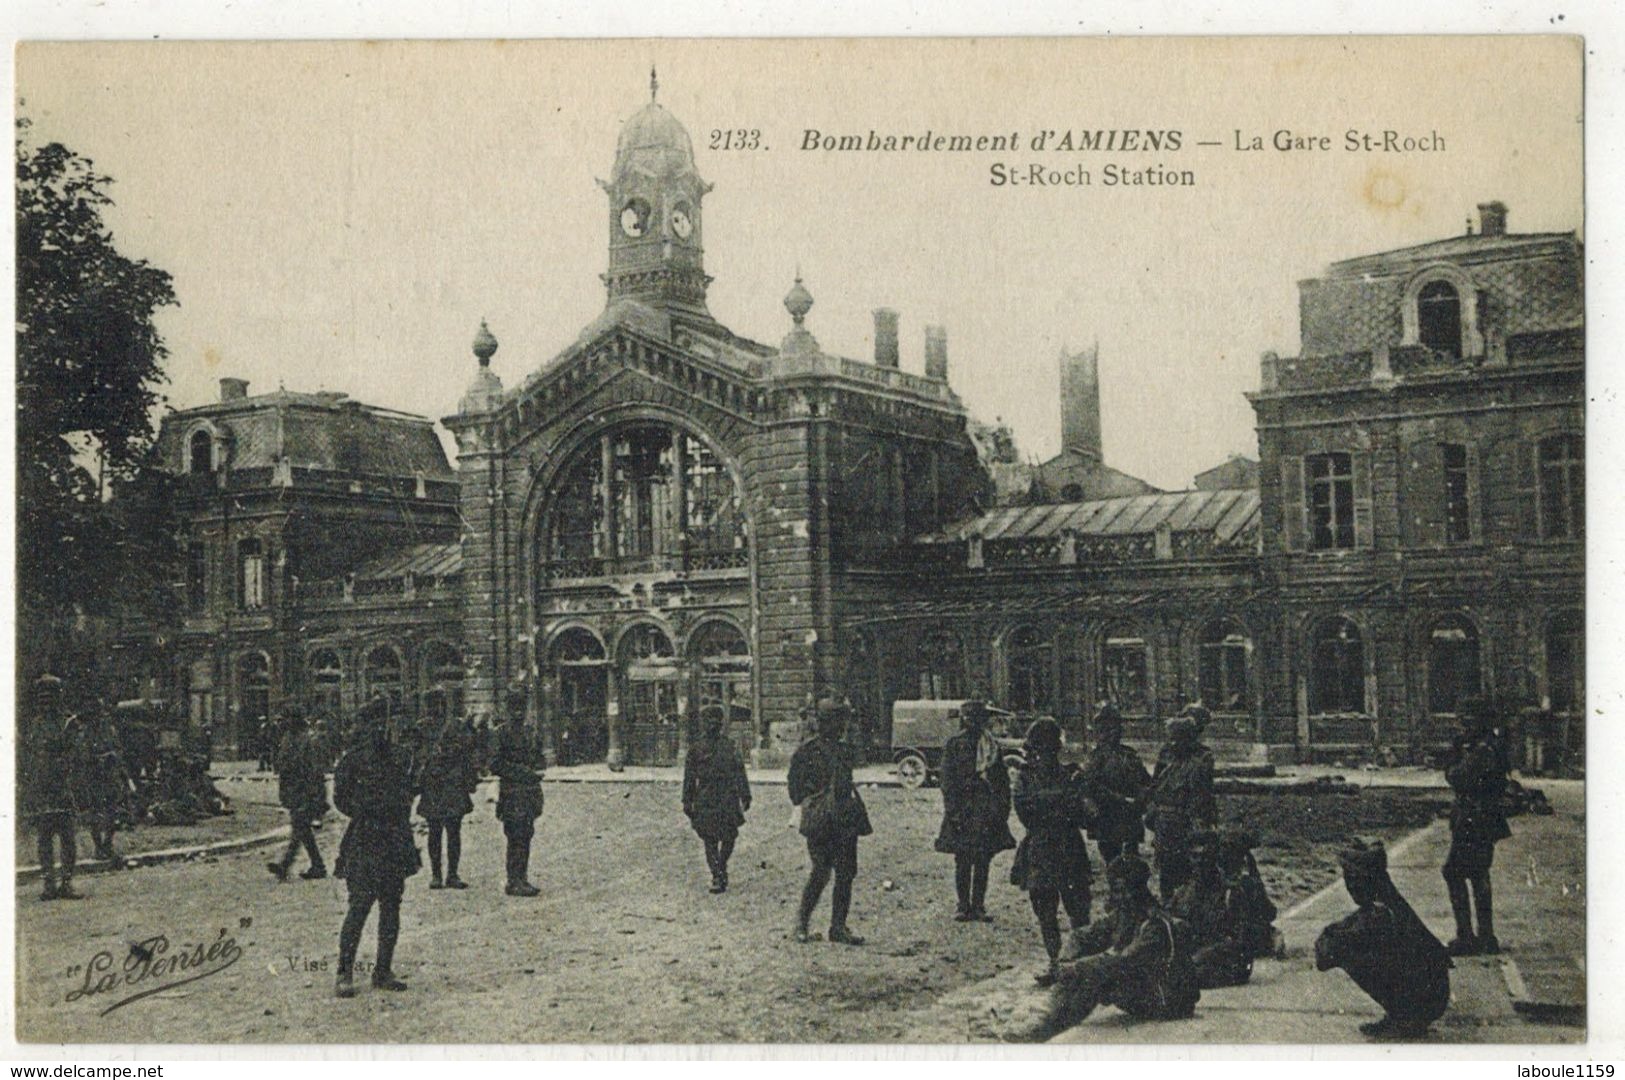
[[253, 697], [641, 491], [443, 670], [942, 667], [1331, 502], [201, 452], [1222, 668], [1337, 669], [197, 569], [384, 676], [1438, 318], [1453, 671], [1566, 664], [1029, 670], [1562, 487], [1458, 522], [722, 674], [649, 688], [250, 575], [1126, 674], [326, 683], [580, 672]]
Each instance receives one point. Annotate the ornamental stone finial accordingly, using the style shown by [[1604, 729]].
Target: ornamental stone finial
[[485, 344]]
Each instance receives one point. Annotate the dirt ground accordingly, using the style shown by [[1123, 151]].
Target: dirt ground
[[249, 819], [625, 944]]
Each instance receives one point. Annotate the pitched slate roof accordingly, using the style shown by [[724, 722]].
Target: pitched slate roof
[[1453, 247], [1230, 515]]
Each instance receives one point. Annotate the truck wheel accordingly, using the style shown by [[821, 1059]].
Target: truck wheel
[[911, 770]]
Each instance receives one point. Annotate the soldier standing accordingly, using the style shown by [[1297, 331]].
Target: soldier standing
[[519, 800], [1386, 949], [100, 781], [446, 781], [832, 818], [48, 792], [1052, 862], [716, 792], [302, 790], [1117, 783], [373, 788], [1477, 772], [975, 809], [1181, 802]]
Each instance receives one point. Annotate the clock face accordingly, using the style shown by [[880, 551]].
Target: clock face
[[635, 218], [681, 223]]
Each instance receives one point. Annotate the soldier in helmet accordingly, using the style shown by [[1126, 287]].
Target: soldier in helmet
[[1386, 949], [1477, 772], [48, 788], [832, 818]]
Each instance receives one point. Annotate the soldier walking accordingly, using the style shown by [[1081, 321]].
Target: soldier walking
[[975, 809], [48, 789], [446, 780], [519, 800], [1477, 772], [302, 790], [1182, 802], [716, 792], [373, 788], [1117, 783], [832, 818]]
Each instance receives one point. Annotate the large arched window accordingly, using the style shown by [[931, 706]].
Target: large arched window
[[942, 666], [642, 491], [1125, 670], [383, 672], [200, 451], [1029, 670], [326, 682], [1453, 665], [722, 677], [1221, 673], [1438, 317], [580, 679], [1337, 668], [1566, 664]]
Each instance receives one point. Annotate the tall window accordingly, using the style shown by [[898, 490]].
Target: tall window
[[1337, 669], [326, 682], [201, 452], [942, 667], [250, 575], [1222, 668], [1453, 669], [1331, 501], [443, 670], [1438, 317], [1566, 663], [197, 581], [1126, 670], [641, 491], [713, 518], [722, 675], [384, 676], [1458, 522], [253, 696], [576, 523], [1029, 670], [649, 690], [1562, 487]]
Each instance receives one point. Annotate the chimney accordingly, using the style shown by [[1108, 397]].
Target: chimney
[[1080, 402], [885, 338], [233, 389], [1492, 219], [936, 353]]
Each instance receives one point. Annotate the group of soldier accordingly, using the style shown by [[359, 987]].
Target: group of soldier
[[1150, 954]]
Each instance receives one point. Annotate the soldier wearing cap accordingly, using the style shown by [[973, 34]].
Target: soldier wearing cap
[[1182, 801], [516, 765], [302, 790], [832, 818], [975, 809], [48, 790], [1476, 770], [1136, 957], [1117, 783], [1386, 949]]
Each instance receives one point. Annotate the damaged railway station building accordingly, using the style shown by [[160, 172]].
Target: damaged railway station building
[[667, 516]]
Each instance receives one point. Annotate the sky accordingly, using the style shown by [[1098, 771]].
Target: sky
[[341, 216]]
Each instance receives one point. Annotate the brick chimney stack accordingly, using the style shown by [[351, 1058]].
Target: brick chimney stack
[[1080, 402], [886, 338], [1492, 219], [936, 353], [233, 389]]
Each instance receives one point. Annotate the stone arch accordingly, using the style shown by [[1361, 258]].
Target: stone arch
[[1472, 339]]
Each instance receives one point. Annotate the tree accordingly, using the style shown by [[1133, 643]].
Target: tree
[[88, 382]]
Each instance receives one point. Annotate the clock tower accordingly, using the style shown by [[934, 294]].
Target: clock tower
[[656, 227]]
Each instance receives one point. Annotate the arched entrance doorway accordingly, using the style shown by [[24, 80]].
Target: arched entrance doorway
[[646, 664], [579, 673], [721, 661]]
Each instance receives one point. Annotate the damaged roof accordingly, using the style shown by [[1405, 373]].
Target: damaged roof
[[1230, 515]]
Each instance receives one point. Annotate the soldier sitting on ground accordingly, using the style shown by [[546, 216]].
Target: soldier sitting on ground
[[1203, 903], [1386, 949], [1136, 957], [1248, 901]]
